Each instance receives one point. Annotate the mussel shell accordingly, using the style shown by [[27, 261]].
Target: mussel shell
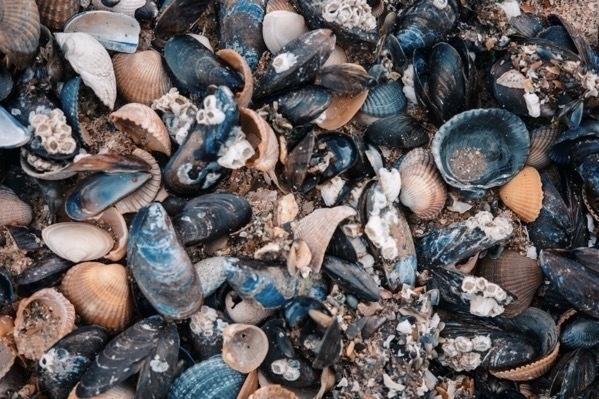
[[352, 278], [61, 367], [69, 98], [160, 266], [574, 372], [6, 291], [12, 134], [177, 16], [303, 105], [44, 272], [6, 83], [211, 216], [581, 333], [396, 131]]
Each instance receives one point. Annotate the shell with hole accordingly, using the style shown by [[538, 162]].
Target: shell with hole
[[244, 347], [77, 242], [141, 77], [524, 194]]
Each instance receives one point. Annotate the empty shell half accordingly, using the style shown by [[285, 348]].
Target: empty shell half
[[144, 126], [77, 242], [14, 211], [141, 77], [55, 13], [244, 347], [280, 27], [524, 194]]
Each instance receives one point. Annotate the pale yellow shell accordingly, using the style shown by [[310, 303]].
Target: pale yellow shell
[[76, 241], [337, 57], [144, 126], [146, 193], [280, 27], [141, 77], [244, 347], [14, 211], [100, 294], [524, 194], [92, 62]]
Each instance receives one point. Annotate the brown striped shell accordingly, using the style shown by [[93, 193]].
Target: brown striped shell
[[244, 347], [541, 139], [100, 294], [55, 13], [146, 193], [278, 5], [141, 77], [524, 194], [19, 31], [422, 187], [42, 319], [144, 126], [516, 273], [529, 371], [262, 138], [14, 211]]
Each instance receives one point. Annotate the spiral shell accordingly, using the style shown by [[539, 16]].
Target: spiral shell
[[19, 31], [524, 194], [55, 13], [100, 294], [244, 347], [141, 77], [144, 126], [14, 211], [77, 242], [423, 189]]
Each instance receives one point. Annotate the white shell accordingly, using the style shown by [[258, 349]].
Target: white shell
[[114, 31], [281, 27], [90, 60], [126, 7], [77, 242]]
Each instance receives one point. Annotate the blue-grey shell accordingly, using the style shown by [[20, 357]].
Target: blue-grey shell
[[385, 99], [69, 98]]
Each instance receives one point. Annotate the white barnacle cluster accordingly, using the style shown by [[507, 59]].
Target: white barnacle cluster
[[284, 61], [390, 182], [211, 114], [349, 14], [178, 114], [52, 129], [288, 368], [486, 298], [206, 322], [462, 353], [381, 218], [236, 151], [495, 228]]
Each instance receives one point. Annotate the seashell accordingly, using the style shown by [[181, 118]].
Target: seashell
[[177, 17], [211, 216], [42, 319], [352, 278], [529, 371], [61, 367], [115, 31], [273, 391], [69, 98], [90, 60], [148, 191], [279, 5], [211, 273], [591, 201], [6, 83], [280, 27], [42, 273], [515, 273], [338, 56], [54, 14], [127, 7], [210, 379], [345, 79], [244, 347], [263, 139], [100, 294], [524, 194], [121, 391], [422, 188], [581, 333], [572, 374], [141, 77], [479, 149], [77, 242], [396, 131], [159, 264], [144, 126], [8, 354], [13, 134], [206, 327], [385, 99], [15, 212], [118, 227], [541, 140], [342, 110], [19, 31], [6, 290], [246, 311], [238, 63], [250, 385], [303, 105], [317, 228]]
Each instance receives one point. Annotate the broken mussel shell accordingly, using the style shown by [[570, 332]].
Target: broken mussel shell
[[244, 347], [351, 277], [479, 149]]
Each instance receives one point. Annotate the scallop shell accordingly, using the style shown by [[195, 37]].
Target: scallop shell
[[141, 77], [273, 391], [147, 192], [541, 140], [100, 294], [422, 187], [516, 273], [14, 211], [238, 63], [524, 194], [77, 242], [19, 31], [121, 391], [281, 27], [244, 347], [55, 13], [263, 139], [90, 60], [42, 319], [126, 7], [144, 126]]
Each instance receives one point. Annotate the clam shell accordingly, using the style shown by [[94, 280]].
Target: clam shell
[[77, 242], [338, 56], [19, 31], [422, 188], [147, 192], [524, 194], [141, 77], [263, 139], [280, 27], [126, 7], [14, 212], [144, 126], [273, 391], [541, 140], [244, 347], [42, 319], [238, 63], [55, 13], [121, 391], [515, 273], [100, 294], [90, 60]]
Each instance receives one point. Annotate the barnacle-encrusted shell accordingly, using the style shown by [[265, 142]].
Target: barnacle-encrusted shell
[[19, 30], [42, 319], [51, 133], [244, 347], [77, 242], [144, 126], [14, 211], [90, 60], [524, 194], [100, 294], [422, 188], [54, 13], [280, 27], [141, 77]]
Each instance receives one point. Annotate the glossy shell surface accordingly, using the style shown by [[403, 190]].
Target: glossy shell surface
[[141, 77], [77, 242]]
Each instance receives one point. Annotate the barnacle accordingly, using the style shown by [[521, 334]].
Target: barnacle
[[349, 13], [52, 129], [179, 114]]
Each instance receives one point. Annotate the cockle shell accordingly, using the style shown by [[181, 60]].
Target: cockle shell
[[144, 126], [541, 139], [14, 212], [273, 391], [19, 31], [90, 60], [126, 7], [77, 242], [55, 13], [524, 194], [42, 319], [100, 294], [141, 77], [422, 187], [280, 27], [244, 347]]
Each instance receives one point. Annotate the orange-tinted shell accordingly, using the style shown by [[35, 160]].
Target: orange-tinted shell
[[273, 391], [141, 77], [100, 294], [19, 30], [524, 194], [55, 13], [238, 63], [263, 139], [529, 371], [144, 126], [244, 347]]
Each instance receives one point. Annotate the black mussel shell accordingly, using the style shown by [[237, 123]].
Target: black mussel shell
[[6, 84], [69, 98], [341, 246], [7, 294], [61, 367], [510, 98], [344, 79], [211, 216], [572, 373], [298, 159], [177, 17], [352, 278], [396, 131], [303, 105], [26, 238], [43, 273], [585, 159], [158, 371], [581, 333], [148, 12], [27, 96], [295, 310], [560, 151]]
